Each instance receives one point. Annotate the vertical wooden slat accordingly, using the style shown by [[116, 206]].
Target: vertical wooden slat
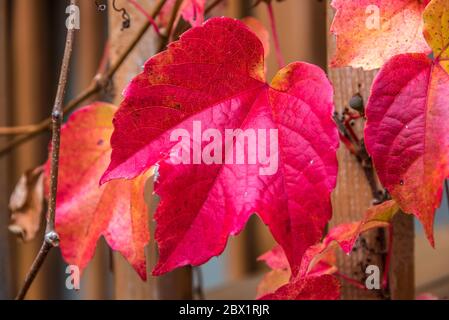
[[353, 196], [128, 285], [402, 272], [29, 45], [5, 188]]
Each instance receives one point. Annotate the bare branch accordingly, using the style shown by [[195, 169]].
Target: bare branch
[[35, 267], [51, 237]]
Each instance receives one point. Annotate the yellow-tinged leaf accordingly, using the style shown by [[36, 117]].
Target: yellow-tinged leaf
[[436, 30]]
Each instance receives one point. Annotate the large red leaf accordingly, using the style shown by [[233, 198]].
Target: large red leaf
[[407, 127], [214, 75], [407, 133], [367, 42], [84, 210]]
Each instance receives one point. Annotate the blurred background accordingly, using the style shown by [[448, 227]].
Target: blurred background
[[32, 35]]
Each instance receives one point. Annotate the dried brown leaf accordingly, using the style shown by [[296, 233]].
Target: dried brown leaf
[[26, 204]]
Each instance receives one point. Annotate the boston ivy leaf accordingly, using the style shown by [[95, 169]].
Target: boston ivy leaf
[[407, 127], [320, 259], [280, 274], [436, 30], [84, 210], [325, 287], [272, 281], [212, 80], [407, 133], [346, 234], [370, 32]]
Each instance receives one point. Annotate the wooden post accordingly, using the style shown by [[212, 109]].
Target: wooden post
[[5, 258], [178, 284], [31, 101], [353, 196]]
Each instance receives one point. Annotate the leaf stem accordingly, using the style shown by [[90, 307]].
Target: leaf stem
[[279, 57], [171, 25], [445, 48], [350, 280], [99, 82], [51, 237], [145, 13], [358, 149]]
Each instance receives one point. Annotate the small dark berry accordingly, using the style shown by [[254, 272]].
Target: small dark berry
[[357, 103]]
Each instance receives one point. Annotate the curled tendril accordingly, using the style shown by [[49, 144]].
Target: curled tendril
[[126, 23]]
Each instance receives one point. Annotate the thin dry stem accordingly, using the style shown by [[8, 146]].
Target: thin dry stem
[[51, 237]]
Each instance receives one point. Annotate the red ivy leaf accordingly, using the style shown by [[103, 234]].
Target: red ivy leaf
[[280, 274], [407, 133], [319, 259], [85, 211], [345, 235], [325, 287], [215, 75], [407, 127], [275, 258], [272, 281], [369, 32]]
